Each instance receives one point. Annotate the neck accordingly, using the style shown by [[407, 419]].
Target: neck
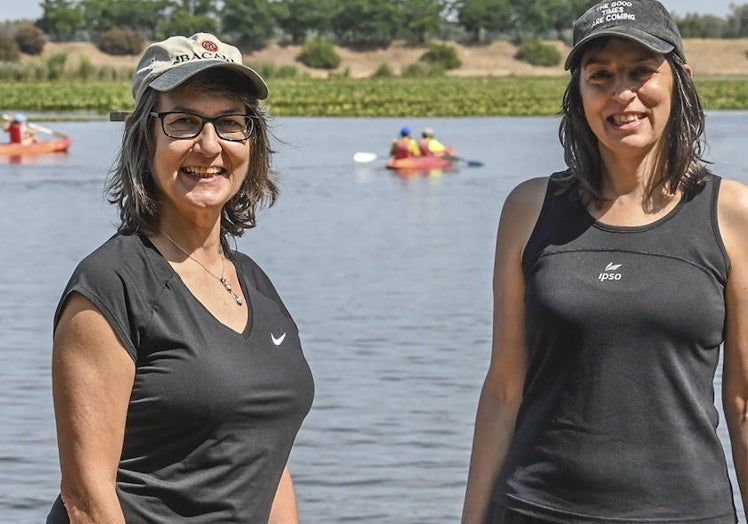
[[194, 236], [634, 176]]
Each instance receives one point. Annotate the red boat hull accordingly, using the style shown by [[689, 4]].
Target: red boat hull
[[59, 145], [416, 163]]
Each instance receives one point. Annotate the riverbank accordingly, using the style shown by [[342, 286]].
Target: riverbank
[[346, 97], [490, 82], [709, 58]]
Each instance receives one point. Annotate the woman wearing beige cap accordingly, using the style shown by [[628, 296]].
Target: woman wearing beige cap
[[178, 377], [616, 283]]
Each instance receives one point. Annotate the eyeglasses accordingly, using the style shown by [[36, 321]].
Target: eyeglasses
[[234, 128]]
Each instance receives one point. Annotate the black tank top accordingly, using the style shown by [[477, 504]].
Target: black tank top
[[624, 327]]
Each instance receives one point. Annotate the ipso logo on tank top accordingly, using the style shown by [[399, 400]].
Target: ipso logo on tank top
[[610, 273]]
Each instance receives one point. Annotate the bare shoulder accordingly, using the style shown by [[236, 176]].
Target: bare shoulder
[[530, 190], [732, 205], [733, 197], [523, 205], [732, 210]]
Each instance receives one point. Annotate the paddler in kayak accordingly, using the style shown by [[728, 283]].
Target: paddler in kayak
[[429, 145], [405, 145], [20, 133]]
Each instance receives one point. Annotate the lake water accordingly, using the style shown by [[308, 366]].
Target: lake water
[[389, 279]]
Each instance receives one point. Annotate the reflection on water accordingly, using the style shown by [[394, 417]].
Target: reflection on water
[[387, 276]]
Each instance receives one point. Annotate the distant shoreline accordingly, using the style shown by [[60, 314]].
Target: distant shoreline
[[708, 57]]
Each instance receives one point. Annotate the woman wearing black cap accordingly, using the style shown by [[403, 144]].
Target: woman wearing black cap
[[616, 282], [178, 377]]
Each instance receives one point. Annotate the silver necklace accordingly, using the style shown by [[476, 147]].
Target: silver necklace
[[222, 279]]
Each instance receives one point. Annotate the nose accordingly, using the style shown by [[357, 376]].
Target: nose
[[207, 142], [624, 88]]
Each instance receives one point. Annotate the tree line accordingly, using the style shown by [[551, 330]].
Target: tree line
[[362, 24]]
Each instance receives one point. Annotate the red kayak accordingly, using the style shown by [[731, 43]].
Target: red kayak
[[57, 145], [415, 163]]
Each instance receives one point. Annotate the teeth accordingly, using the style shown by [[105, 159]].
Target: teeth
[[626, 119], [202, 171]]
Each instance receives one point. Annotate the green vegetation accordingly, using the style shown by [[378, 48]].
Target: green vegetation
[[9, 50], [52, 96], [442, 55], [319, 54], [384, 71], [57, 67], [343, 97], [538, 53], [118, 41], [30, 40], [252, 24]]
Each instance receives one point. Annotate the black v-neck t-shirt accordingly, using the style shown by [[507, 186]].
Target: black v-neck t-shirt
[[213, 412]]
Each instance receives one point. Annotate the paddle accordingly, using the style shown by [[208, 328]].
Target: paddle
[[469, 163], [37, 127], [363, 157]]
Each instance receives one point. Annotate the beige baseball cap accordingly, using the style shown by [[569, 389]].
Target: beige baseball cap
[[167, 64]]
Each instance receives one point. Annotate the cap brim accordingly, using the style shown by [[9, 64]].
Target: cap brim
[[176, 76], [650, 42]]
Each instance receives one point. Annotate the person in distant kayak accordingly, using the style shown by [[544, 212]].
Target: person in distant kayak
[[178, 377], [405, 145], [429, 145], [617, 283], [19, 131]]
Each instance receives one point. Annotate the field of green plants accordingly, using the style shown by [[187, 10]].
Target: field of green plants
[[406, 97]]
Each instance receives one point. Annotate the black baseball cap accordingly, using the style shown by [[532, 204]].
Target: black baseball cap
[[644, 21]]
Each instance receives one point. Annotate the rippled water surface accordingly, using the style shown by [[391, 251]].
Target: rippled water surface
[[388, 278]]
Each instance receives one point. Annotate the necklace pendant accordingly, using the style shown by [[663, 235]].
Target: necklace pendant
[[222, 279], [239, 300]]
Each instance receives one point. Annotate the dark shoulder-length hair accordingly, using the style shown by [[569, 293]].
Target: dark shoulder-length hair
[[132, 188], [679, 164]]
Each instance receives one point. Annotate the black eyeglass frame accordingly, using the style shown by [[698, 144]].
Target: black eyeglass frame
[[205, 120]]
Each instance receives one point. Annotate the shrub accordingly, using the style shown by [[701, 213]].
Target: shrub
[[9, 51], [125, 41], [30, 40], [538, 53], [55, 66], [422, 69], [85, 70], [11, 72], [383, 71], [269, 70], [319, 54], [442, 55]]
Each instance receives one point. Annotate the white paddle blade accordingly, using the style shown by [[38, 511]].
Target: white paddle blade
[[363, 158]]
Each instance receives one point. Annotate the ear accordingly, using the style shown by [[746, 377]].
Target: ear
[[688, 69]]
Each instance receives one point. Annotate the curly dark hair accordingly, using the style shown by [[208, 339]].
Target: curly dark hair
[[132, 188], [680, 165]]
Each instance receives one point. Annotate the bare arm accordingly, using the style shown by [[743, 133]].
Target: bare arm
[[733, 221], [501, 394], [284, 510], [92, 378]]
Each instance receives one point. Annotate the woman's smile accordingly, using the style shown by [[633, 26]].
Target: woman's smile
[[202, 172]]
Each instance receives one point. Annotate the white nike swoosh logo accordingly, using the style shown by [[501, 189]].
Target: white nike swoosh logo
[[278, 341]]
